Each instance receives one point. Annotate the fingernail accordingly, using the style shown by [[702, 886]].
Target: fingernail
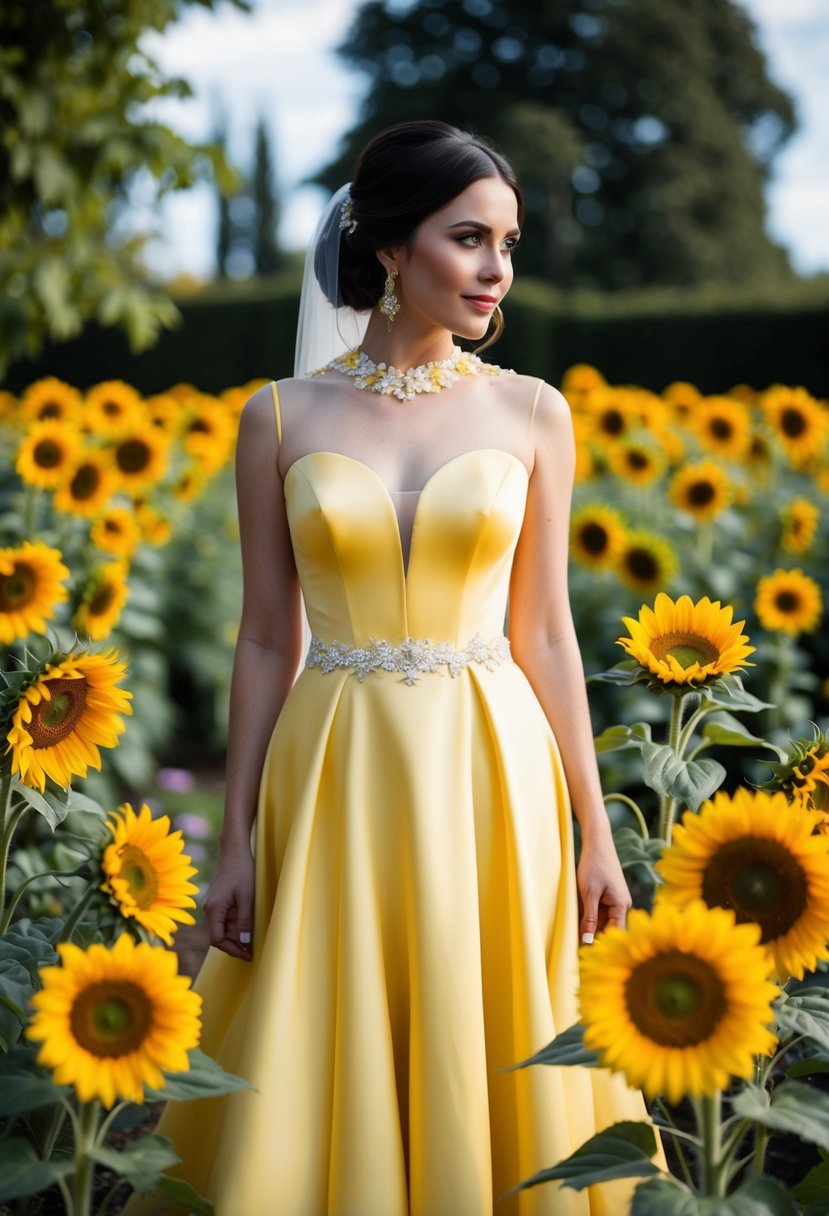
[[587, 939], [244, 938]]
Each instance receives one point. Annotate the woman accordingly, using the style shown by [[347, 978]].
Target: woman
[[415, 924]]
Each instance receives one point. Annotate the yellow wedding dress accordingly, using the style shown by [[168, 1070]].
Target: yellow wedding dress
[[416, 917]]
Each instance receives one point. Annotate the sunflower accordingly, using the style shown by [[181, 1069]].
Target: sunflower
[[800, 422], [45, 453], [114, 1020], [686, 643], [30, 588], [112, 407], [147, 873], [646, 562], [640, 464], [116, 532], [209, 433], [140, 457], [800, 521], [682, 396], [723, 426], [585, 463], [65, 715], [756, 854], [164, 412], [597, 534], [190, 484], [679, 1001], [50, 398], [789, 601], [704, 490], [582, 378], [610, 413], [88, 486], [102, 601], [156, 529], [804, 774]]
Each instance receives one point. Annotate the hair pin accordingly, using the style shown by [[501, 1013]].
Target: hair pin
[[347, 221]]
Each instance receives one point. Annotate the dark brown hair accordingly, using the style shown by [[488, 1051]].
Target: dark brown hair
[[403, 175]]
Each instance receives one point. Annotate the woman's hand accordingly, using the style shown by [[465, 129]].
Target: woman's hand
[[229, 903], [603, 892]]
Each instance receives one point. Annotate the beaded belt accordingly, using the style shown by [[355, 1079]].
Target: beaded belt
[[412, 657]]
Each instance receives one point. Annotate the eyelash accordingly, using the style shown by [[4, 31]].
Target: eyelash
[[512, 242]]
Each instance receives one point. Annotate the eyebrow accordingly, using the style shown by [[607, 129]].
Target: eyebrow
[[484, 228]]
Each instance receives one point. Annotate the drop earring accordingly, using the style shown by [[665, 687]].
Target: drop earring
[[389, 303]]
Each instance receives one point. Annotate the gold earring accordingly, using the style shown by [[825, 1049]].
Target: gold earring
[[389, 303]]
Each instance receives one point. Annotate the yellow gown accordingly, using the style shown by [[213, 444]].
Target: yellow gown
[[416, 918]]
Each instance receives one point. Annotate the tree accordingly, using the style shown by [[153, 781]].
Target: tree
[[644, 129], [266, 251], [224, 227], [73, 140]]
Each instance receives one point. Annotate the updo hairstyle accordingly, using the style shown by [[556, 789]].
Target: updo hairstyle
[[403, 175]]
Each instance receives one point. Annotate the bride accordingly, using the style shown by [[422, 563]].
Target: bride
[[407, 923]]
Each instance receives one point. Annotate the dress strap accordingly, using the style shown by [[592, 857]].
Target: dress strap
[[277, 414], [538, 389]]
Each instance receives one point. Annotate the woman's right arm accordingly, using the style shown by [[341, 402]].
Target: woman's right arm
[[266, 658]]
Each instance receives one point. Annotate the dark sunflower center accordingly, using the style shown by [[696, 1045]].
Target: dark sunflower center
[[49, 410], [47, 454], [133, 456], [642, 564], [787, 601], [113, 409], [85, 482], [612, 422], [701, 493], [675, 999], [792, 423], [56, 718], [686, 648], [594, 538], [139, 874], [18, 588], [761, 881], [638, 460], [200, 426], [721, 428], [113, 526], [111, 1018], [102, 600]]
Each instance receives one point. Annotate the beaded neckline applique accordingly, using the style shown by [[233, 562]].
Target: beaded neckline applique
[[425, 378]]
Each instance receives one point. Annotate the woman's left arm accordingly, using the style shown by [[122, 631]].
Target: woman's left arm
[[544, 644]]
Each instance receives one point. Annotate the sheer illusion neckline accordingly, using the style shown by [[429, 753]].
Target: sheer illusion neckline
[[405, 550]]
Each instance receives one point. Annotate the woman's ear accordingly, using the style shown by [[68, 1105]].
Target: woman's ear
[[389, 257]]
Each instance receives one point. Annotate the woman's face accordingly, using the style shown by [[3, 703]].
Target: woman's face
[[460, 263]]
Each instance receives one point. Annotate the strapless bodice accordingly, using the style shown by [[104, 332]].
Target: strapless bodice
[[349, 555]]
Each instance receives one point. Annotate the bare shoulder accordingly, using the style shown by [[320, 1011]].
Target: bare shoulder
[[521, 394]]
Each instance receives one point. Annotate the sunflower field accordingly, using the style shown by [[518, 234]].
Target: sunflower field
[[699, 579]]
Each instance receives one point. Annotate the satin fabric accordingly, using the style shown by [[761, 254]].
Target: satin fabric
[[416, 918]]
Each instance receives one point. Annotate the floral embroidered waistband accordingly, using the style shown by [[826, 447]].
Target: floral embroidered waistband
[[412, 657]]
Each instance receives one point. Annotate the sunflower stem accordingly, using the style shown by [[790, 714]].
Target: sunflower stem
[[667, 803], [672, 1130], [705, 543], [9, 819], [761, 1141], [71, 923], [628, 802], [5, 919], [779, 683], [708, 1112], [84, 1165]]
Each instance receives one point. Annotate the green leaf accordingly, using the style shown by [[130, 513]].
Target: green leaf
[[805, 1012], [621, 1151], [724, 730], [793, 1107], [757, 1197], [204, 1079], [690, 781], [28, 942], [805, 1068], [51, 813], [24, 1085], [626, 672], [814, 1188], [23, 1173], [617, 737], [633, 850], [181, 1192], [566, 1048], [140, 1162], [730, 693]]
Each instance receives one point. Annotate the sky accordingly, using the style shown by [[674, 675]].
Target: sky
[[278, 61]]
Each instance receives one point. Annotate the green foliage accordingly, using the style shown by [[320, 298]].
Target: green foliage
[[74, 136], [643, 130], [621, 1151]]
